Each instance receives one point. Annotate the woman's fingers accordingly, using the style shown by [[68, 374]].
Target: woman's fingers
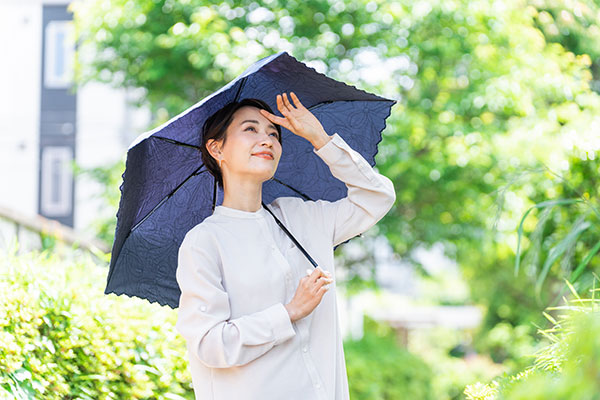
[[300, 120], [281, 106], [319, 277], [274, 118], [309, 293], [277, 120], [318, 271], [296, 100], [315, 274], [268, 115], [284, 104], [287, 102], [292, 124], [324, 279]]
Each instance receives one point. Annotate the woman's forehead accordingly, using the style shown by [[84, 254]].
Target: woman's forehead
[[250, 114]]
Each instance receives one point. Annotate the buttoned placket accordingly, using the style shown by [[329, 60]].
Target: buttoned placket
[[301, 326], [287, 269], [302, 329]]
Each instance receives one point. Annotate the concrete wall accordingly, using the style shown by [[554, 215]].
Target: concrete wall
[[20, 28], [105, 123]]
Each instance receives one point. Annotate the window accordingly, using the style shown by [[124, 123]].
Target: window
[[59, 55], [57, 179]]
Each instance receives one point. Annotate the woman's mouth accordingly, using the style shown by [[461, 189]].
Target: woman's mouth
[[264, 155]]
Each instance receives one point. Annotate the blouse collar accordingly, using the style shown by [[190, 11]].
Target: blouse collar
[[234, 212]]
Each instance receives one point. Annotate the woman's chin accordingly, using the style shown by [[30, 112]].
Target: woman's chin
[[268, 176], [264, 174], [257, 174]]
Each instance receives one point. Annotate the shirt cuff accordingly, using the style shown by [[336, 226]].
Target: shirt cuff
[[332, 150], [337, 148], [281, 324]]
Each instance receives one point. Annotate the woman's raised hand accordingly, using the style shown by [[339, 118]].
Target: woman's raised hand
[[309, 293], [296, 118]]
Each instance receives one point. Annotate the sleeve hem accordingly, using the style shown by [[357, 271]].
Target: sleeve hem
[[331, 151], [281, 323]]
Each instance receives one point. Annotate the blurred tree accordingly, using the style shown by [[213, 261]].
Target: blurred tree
[[181, 51], [567, 368], [573, 24], [493, 111]]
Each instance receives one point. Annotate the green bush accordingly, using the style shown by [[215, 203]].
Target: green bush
[[566, 369], [454, 364], [379, 369], [62, 338], [509, 345]]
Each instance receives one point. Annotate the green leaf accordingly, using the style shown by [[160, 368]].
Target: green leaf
[[586, 260], [544, 204], [559, 249]]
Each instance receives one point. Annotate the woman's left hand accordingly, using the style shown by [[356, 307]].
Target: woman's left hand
[[297, 119]]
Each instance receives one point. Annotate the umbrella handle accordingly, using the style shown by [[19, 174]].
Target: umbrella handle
[[292, 237]]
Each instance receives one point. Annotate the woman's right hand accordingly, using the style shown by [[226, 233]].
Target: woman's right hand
[[309, 293]]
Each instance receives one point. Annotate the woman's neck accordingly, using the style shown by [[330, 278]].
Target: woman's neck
[[242, 195]]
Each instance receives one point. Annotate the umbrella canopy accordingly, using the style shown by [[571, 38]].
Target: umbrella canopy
[[167, 190]]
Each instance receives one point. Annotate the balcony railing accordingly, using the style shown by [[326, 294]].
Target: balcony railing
[[29, 232]]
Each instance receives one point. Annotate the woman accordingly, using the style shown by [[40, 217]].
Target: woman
[[257, 325]]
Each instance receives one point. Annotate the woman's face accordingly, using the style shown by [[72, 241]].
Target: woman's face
[[252, 149]]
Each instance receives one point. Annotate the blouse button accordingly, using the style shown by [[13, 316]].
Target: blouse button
[[203, 308], [305, 349], [317, 385]]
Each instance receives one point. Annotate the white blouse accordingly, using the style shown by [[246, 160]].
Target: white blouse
[[237, 270]]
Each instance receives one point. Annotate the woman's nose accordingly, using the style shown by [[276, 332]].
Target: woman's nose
[[268, 139]]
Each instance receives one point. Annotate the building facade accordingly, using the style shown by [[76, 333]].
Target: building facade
[[46, 127]]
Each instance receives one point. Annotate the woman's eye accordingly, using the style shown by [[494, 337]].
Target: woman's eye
[[250, 127], [276, 135]]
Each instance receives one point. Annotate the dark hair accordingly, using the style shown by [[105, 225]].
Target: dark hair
[[216, 126]]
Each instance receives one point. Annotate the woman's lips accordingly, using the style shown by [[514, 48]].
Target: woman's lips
[[265, 156]]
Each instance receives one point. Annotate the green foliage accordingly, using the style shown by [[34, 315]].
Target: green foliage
[[575, 26], [389, 371], [483, 110], [452, 359], [561, 241], [62, 338], [181, 51], [509, 344], [567, 368]]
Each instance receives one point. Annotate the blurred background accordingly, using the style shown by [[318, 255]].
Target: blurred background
[[480, 283]]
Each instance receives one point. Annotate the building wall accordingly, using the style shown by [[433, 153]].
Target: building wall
[[105, 124], [58, 116], [20, 28]]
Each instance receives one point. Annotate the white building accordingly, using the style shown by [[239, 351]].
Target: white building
[[44, 126]]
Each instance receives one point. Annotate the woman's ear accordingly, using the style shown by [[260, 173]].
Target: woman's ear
[[214, 148]]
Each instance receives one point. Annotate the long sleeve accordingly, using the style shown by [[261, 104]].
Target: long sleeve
[[370, 194], [204, 311]]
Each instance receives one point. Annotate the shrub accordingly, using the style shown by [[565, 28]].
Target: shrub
[[380, 369], [62, 338], [566, 369]]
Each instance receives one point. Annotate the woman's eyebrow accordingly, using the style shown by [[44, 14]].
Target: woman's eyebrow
[[256, 122]]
